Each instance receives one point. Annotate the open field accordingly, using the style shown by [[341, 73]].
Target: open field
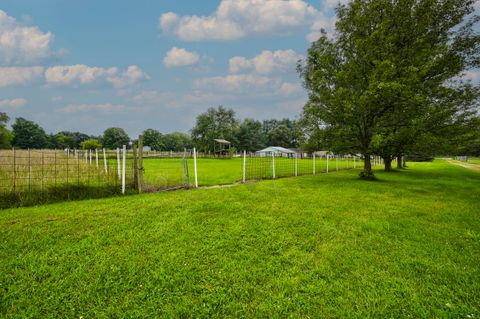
[[331, 245], [165, 172], [29, 177], [474, 160]]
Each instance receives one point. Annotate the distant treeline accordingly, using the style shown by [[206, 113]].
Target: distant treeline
[[216, 123]]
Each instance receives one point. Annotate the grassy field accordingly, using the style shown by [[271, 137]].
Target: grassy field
[[329, 246], [166, 172], [474, 160], [42, 176]]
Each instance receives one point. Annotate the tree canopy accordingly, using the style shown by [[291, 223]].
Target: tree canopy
[[5, 134], [392, 73], [115, 137], [28, 134], [216, 123]]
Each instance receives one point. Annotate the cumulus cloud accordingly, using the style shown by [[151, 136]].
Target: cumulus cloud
[[80, 73], [266, 62], [19, 75], [13, 103], [21, 44], [103, 108], [242, 83], [236, 19], [83, 74], [128, 78], [180, 57]]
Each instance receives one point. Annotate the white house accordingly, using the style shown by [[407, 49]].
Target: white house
[[277, 151]]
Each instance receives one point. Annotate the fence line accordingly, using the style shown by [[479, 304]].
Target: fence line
[[37, 176]]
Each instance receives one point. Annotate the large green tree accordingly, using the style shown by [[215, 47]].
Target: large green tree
[[28, 134], [177, 141], [216, 123], [250, 136], [154, 139], [389, 74], [115, 137], [5, 134]]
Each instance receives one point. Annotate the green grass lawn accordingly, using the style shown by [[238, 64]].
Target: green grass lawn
[[474, 160], [168, 172], [333, 246]]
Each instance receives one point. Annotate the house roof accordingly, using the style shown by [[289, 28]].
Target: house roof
[[276, 149]]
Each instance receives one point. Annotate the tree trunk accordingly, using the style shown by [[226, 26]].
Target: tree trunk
[[367, 172], [399, 162], [388, 163]]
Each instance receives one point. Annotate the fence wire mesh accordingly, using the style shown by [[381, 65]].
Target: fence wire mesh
[[39, 176]]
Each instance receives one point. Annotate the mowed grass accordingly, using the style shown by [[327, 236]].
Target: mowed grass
[[169, 172], [474, 160], [331, 246]]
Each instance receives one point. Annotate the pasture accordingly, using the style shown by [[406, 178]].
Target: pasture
[[407, 245]]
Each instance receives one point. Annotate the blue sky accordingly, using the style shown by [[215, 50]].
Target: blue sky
[[88, 65]]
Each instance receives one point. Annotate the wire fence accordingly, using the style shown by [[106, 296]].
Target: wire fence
[[29, 177], [277, 166]]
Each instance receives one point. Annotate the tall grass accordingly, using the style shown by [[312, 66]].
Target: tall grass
[[30, 177]]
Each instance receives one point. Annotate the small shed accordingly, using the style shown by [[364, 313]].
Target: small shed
[[277, 151], [221, 147]]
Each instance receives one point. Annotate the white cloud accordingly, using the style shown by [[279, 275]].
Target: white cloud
[[473, 75], [243, 83], [171, 100], [266, 62], [180, 57], [13, 103], [236, 19], [19, 75], [57, 98], [22, 44], [128, 78], [83, 74], [103, 108], [80, 73]]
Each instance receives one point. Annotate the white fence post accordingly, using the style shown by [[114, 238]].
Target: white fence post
[[346, 158], [195, 166], [296, 164], [105, 161], [124, 150], [90, 154], [273, 165], [327, 162], [354, 162], [244, 166], [96, 157], [313, 163], [336, 163], [118, 163]]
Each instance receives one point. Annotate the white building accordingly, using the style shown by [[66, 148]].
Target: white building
[[277, 151]]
